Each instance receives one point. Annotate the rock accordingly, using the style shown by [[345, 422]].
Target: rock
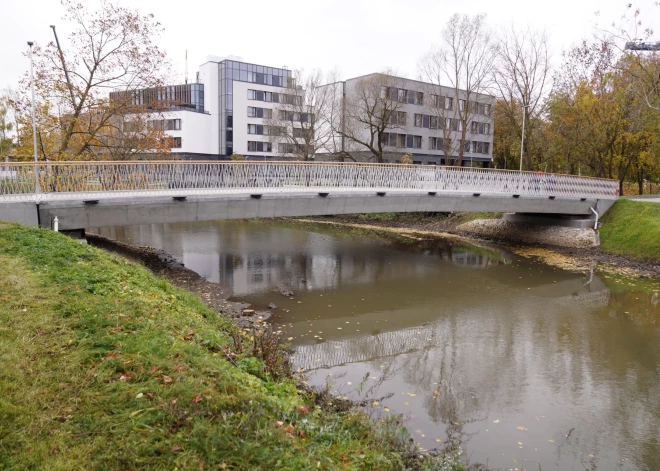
[[272, 306], [284, 292]]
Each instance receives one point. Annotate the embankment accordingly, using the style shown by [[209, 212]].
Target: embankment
[[106, 366]]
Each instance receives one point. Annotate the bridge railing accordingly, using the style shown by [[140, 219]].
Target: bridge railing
[[67, 180]]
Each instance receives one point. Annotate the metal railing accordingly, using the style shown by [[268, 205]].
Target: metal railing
[[75, 180]]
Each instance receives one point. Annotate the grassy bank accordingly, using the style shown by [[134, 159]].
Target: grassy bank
[[632, 228], [105, 366]]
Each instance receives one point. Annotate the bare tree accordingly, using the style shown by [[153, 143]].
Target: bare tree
[[522, 79], [462, 65], [301, 124], [109, 49], [372, 106]]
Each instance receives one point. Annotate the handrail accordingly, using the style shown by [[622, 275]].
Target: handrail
[[76, 180], [288, 162]]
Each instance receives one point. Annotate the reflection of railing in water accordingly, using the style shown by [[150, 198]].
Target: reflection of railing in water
[[334, 353], [366, 348]]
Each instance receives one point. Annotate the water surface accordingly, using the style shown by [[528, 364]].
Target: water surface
[[528, 366]]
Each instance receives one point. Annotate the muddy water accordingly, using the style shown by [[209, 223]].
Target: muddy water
[[528, 366]]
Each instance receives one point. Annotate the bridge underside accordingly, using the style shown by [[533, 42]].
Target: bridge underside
[[133, 210]]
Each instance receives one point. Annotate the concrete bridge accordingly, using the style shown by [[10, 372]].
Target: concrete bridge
[[100, 194]]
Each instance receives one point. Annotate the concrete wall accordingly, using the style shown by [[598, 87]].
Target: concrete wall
[[121, 212], [24, 213]]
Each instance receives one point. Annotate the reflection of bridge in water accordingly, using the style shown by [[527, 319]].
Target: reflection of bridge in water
[[335, 353], [414, 339]]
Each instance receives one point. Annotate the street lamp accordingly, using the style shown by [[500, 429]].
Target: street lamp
[[522, 139], [34, 123]]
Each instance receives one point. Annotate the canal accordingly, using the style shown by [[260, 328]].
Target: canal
[[528, 366]]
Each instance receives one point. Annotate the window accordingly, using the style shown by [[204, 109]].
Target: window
[[419, 98], [403, 95], [433, 122], [175, 142], [393, 139], [165, 124], [487, 110], [418, 120], [255, 146], [398, 118], [409, 140], [461, 105], [298, 133], [425, 121], [435, 143], [254, 112], [466, 146], [477, 147], [456, 125], [417, 142], [449, 103], [401, 140], [258, 129], [486, 148]]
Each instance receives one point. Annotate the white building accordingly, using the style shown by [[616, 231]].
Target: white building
[[228, 108]]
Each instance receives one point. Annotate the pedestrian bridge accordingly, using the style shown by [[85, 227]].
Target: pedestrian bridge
[[100, 194]]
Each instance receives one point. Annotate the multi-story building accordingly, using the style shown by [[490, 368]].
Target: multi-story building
[[224, 112], [230, 110], [426, 121]]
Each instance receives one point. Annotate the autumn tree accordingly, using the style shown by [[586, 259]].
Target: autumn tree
[[109, 49], [462, 64], [6, 124]]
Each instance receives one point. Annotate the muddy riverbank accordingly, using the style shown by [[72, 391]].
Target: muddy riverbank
[[584, 258]]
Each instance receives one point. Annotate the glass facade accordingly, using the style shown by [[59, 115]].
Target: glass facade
[[169, 97], [230, 71]]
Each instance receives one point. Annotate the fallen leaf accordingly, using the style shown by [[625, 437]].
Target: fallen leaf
[[436, 393], [278, 424], [522, 429], [176, 448], [197, 398], [153, 370], [303, 409], [125, 377], [167, 379], [496, 421]]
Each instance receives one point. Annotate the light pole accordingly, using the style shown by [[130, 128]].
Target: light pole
[[522, 138], [34, 124]]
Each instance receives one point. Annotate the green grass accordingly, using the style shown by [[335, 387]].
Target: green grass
[[632, 228], [105, 366]]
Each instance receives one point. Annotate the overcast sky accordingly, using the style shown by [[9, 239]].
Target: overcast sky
[[354, 36]]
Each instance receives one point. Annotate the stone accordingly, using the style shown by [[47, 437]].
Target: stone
[[272, 306]]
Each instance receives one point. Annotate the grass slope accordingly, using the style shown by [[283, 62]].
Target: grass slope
[[632, 228], [105, 366]]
